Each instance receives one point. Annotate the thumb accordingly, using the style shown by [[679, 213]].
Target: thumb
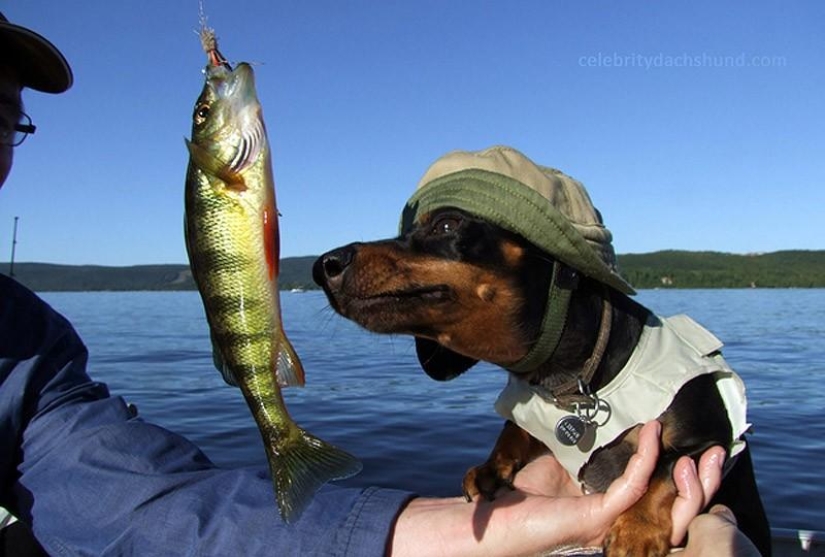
[[631, 485], [723, 512]]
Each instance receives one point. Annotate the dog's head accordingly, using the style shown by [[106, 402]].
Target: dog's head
[[483, 268], [466, 289]]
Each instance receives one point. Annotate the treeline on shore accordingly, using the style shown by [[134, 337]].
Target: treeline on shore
[[662, 269]]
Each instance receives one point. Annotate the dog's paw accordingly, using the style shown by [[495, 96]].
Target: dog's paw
[[486, 480], [636, 534]]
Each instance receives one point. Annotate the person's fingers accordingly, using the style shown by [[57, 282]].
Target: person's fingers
[[630, 487], [710, 471], [689, 499], [723, 512], [715, 533], [695, 488]]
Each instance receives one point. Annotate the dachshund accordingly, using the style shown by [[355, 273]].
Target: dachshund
[[469, 290]]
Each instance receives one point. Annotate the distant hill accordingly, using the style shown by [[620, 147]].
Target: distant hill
[[296, 272], [708, 269], [662, 269]]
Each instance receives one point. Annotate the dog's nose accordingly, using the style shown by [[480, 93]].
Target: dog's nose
[[332, 264]]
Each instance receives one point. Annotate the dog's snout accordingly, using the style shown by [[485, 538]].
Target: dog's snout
[[332, 264]]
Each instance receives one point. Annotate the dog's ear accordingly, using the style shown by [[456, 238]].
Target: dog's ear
[[442, 364]]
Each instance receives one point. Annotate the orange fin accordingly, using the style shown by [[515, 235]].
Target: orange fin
[[271, 243], [288, 368]]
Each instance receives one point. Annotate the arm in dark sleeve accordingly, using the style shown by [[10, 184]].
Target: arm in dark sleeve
[[93, 480]]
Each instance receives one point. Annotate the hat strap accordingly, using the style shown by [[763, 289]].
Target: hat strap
[[564, 281]]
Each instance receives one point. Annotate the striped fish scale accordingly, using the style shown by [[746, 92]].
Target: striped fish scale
[[241, 304]]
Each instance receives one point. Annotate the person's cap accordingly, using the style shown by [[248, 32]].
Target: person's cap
[[38, 62], [542, 204]]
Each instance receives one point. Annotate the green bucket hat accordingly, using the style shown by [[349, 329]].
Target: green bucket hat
[[542, 204], [547, 207]]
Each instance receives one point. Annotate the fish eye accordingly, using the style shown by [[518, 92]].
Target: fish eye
[[201, 112]]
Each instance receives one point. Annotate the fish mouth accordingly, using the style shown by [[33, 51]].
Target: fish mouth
[[243, 82], [237, 84], [235, 132]]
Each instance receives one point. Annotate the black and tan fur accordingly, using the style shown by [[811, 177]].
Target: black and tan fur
[[468, 291]]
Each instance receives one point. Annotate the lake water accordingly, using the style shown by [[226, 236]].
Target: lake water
[[366, 393]]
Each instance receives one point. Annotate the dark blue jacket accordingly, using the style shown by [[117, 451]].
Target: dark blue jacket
[[91, 479]]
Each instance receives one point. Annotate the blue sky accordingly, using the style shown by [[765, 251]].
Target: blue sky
[[694, 125]]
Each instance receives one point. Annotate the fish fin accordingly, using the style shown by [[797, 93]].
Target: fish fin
[[303, 464], [271, 240], [288, 368], [214, 166], [221, 366]]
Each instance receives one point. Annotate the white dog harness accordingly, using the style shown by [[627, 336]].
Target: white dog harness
[[671, 352]]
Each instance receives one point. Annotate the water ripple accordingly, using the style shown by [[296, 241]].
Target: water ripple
[[367, 393]]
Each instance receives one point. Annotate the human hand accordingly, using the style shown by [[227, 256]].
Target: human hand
[[530, 519], [696, 487], [547, 477], [547, 510], [715, 533]]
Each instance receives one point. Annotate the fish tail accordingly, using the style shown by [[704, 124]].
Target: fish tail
[[302, 466]]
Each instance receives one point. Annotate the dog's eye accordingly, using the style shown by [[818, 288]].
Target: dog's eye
[[445, 225]]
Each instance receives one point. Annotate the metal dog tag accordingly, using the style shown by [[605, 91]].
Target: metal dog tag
[[570, 430]]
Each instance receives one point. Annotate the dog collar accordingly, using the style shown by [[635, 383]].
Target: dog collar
[[671, 352]]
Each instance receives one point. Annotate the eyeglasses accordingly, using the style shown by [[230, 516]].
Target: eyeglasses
[[17, 134]]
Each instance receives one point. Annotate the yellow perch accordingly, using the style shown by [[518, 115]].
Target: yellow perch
[[231, 228]]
